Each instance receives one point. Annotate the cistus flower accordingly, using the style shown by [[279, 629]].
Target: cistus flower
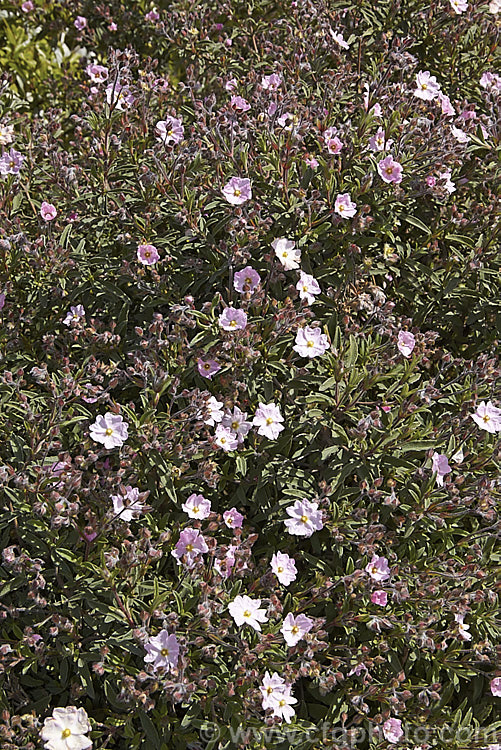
[[271, 82], [378, 569], [170, 130], [487, 417], [233, 519], [214, 407], [378, 142], [48, 212], [459, 6], [282, 706], [339, 39], [237, 423], [128, 506], [162, 651], [110, 430], [440, 466], [246, 611], [197, 506], [190, 545], [344, 206], [406, 343], [287, 253], [392, 730], [295, 628], [246, 280], [238, 102], [495, 686], [97, 73], [446, 105], [284, 568], [237, 191], [390, 170], [208, 368], [147, 254], [462, 628], [80, 23], [380, 598], [6, 134], [11, 162], [311, 342], [427, 87], [305, 518], [271, 686], [119, 97], [307, 287], [225, 438], [232, 319], [268, 421], [74, 315], [66, 729]]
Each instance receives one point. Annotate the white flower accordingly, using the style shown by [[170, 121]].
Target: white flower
[[307, 287], [246, 611], [214, 407], [311, 342], [267, 420], [294, 628], [66, 729], [110, 430], [287, 253]]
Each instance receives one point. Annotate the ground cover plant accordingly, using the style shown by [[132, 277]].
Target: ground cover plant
[[250, 404]]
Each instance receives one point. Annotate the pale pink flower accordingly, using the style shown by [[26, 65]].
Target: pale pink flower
[[271, 82], [128, 506], [495, 6], [238, 102], [378, 141], [378, 569], [237, 423], [344, 206], [170, 130], [66, 729], [224, 565], [231, 84], [190, 545], [380, 598], [97, 73], [197, 506], [406, 343], [459, 135], [48, 212], [462, 628], [491, 81], [440, 465], [488, 417], [390, 170], [334, 145], [459, 6], [110, 430], [273, 685], [282, 706], [80, 23], [162, 651], [307, 287], [284, 568], [237, 191], [208, 368], [246, 280], [448, 184], [214, 407], [119, 97], [11, 162], [74, 315], [427, 87], [225, 438], [152, 16], [27, 6], [392, 730], [233, 519], [305, 518], [339, 39], [311, 342], [446, 105], [495, 685], [7, 134], [147, 255], [267, 420], [288, 254], [246, 611], [311, 162], [2, 300], [288, 121], [232, 319], [295, 628]]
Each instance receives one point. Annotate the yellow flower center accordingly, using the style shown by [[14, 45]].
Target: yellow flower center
[[247, 613], [389, 170], [281, 703], [280, 569], [189, 548], [285, 254], [147, 254], [65, 733], [294, 629], [340, 207], [109, 431], [309, 344], [234, 425], [248, 281], [196, 509], [170, 132], [237, 192], [233, 323], [305, 288], [304, 519], [222, 439], [269, 420], [269, 690], [424, 86], [165, 652], [486, 418]]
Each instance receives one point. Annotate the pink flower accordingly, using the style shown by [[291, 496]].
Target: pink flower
[[246, 280], [170, 130], [448, 184], [390, 170], [334, 145], [490, 81], [311, 342], [440, 466], [446, 105], [233, 320], [2, 300], [48, 212], [281, 705], [344, 206], [152, 16], [379, 597], [80, 23], [97, 73], [272, 82], [378, 142], [462, 628], [284, 568], [238, 102], [237, 423], [339, 39], [231, 84], [208, 368], [496, 687], [147, 255], [190, 545], [237, 191], [112, 26], [225, 565], [119, 97], [459, 135], [215, 411], [459, 6], [487, 417], [311, 162], [267, 420], [66, 729], [225, 439], [27, 6], [246, 611], [392, 730], [307, 287], [233, 519], [295, 628], [197, 506], [273, 685], [406, 343], [74, 315], [110, 430], [427, 87], [288, 254], [162, 651], [305, 518], [378, 569], [11, 162], [132, 508]]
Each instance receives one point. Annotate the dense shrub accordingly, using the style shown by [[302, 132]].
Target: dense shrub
[[355, 181]]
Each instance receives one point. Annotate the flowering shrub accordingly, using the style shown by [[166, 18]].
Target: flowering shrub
[[250, 378]]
